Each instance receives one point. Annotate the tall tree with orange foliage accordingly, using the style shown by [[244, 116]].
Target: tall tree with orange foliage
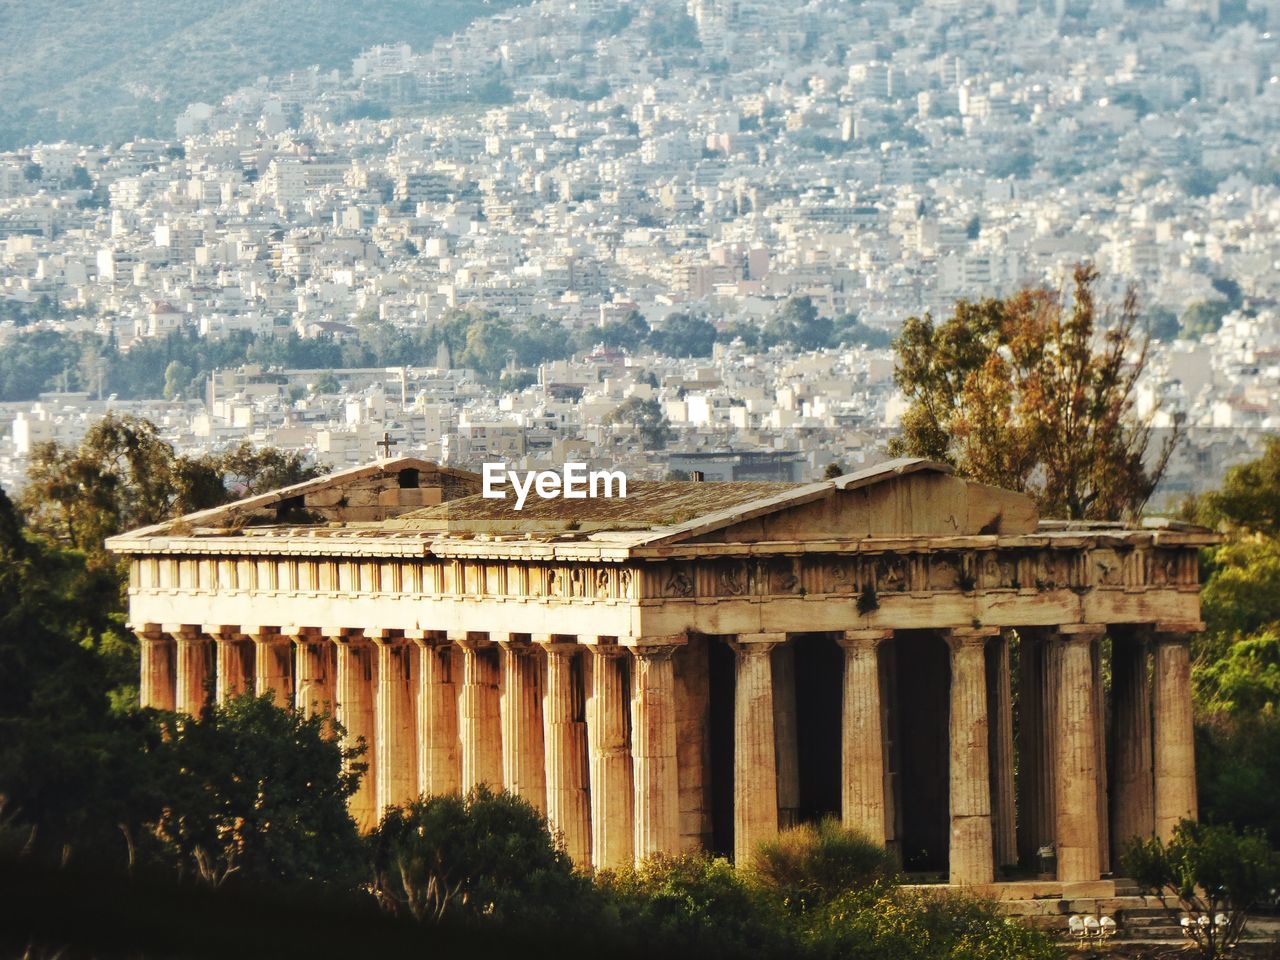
[[1036, 392]]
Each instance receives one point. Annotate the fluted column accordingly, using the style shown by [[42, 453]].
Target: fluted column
[[355, 711], [479, 725], [972, 853], [396, 726], [315, 670], [1100, 766], [234, 660], [1076, 732], [1175, 753], [862, 766], [1003, 804], [523, 759], [272, 664], [609, 758], [439, 746], [194, 659], [786, 735], [565, 737], [653, 750], [157, 687], [755, 776], [1134, 809]]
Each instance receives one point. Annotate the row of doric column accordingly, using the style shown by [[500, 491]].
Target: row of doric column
[[585, 729]]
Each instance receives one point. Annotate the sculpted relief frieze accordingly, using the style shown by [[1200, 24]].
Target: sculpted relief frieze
[[1023, 570]]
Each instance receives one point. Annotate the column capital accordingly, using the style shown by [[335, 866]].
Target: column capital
[[639, 644], [147, 631], [183, 631], [1082, 631], [557, 643], [470, 639], [755, 644], [600, 641], [1175, 631], [428, 638], [301, 634], [860, 639], [655, 651], [961, 637], [223, 632], [389, 638], [515, 642]]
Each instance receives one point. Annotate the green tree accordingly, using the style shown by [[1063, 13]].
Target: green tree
[[1034, 393], [177, 378], [488, 346], [484, 856], [849, 330], [540, 339], [629, 333], [1208, 871], [1249, 499], [798, 325], [121, 476], [684, 335], [257, 792], [1204, 316], [646, 418], [249, 470]]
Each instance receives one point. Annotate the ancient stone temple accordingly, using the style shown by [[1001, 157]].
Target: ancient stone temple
[[699, 664]]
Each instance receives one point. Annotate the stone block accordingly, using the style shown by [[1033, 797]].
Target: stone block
[[1088, 889]]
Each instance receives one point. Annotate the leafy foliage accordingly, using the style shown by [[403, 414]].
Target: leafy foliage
[[1249, 499], [1209, 870], [258, 792], [1037, 394], [484, 855], [646, 418], [815, 863], [684, 335]]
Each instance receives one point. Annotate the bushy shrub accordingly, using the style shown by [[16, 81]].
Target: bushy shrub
[[483, 855], [815, 863], [880, 923], [697, 905]]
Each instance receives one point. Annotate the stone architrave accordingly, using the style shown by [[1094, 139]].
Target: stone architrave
[[653, 749], [755, 771], [972, 850], [609, 757], [565, 738], [1175, 749], [1078, 850], [862, 762]]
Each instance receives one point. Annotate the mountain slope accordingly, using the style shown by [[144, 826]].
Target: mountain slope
[[111, 70]]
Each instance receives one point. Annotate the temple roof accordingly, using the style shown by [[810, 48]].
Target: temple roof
[[406, 507]]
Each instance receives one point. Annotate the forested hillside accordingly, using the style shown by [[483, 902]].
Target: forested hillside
[[111, 70]]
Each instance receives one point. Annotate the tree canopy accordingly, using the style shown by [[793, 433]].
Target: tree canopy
[[1034, 392]]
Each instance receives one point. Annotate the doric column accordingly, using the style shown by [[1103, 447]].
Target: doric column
[[1100, 766], [315, 670], [565, 736], [157, 687], [1175, 753], [439, 747], [194, 658], [272, 664], [786, 735], [609, 757], [234, 659], [1076, 733], [862, 779], [355, 711], [523, 759], [1000, 701], [1134, 809], [479, 725], [755, 772], [653, 749], [396, 739], [972, 854]]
